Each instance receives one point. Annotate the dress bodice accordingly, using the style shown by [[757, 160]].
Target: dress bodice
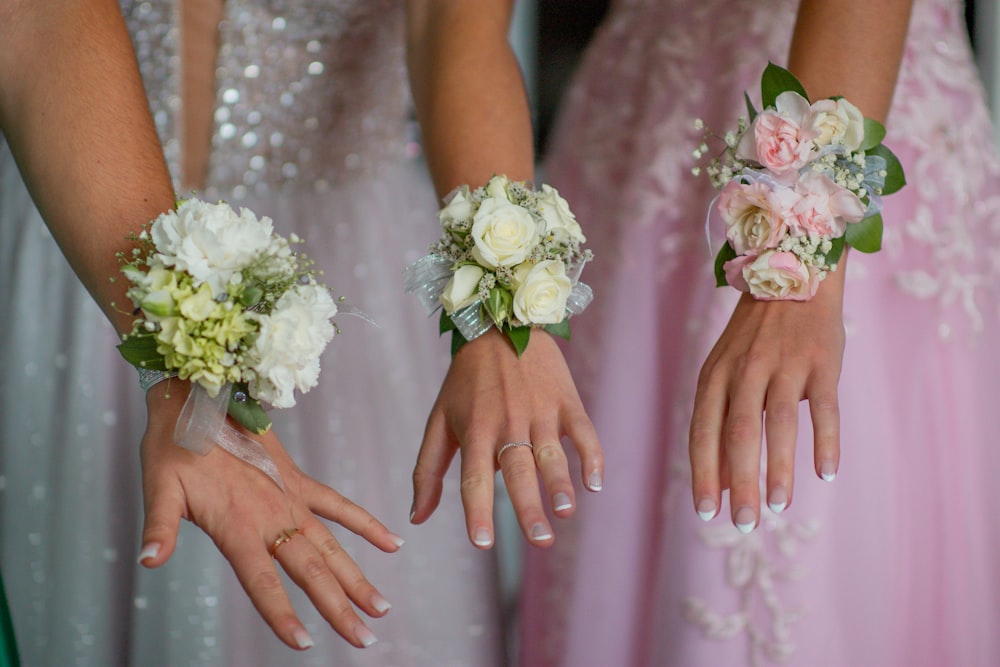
[[308, 93]]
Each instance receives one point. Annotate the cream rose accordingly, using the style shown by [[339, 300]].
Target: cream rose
[[458, 207], [837, 122], [463, 288], [823, 207], [504, 234], [771, 276], [542, 292], [754, 214], [780, 138], [560, 222], [497, 187]]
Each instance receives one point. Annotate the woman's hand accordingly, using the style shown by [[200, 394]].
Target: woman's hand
[[771, 355], [490, 398], [245, 512]]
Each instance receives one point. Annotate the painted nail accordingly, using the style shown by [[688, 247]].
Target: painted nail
[[594, 482], [539, 533], [397, 540], [482, 538], [302, 638], [827, 470], [413, 513], [364, 635], [705, 509], [745, 520], [777, 500], [380, 603], [148, 551], [561, 501]]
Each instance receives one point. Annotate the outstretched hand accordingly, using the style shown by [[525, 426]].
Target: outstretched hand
[[245, 513], [490, 398], [771, 355]]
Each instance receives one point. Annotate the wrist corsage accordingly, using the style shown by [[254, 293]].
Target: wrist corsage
[[798, 181], [226, 304], [510, 257]]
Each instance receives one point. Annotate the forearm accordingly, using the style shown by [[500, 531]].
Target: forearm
[[74, 112], [468, 91]]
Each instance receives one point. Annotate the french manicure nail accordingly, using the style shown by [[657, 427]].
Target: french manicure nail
[[827, 470], [777, 500], [148, 551], [380, 603], [745, 520], [594, 482], [364, 635], [413, 513], [561, 501], [302, 638], [482, 538], [539, 533], [397, 540], [705, 509]]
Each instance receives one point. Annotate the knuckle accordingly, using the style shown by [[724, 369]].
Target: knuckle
[[520, 473], [330, 548], [472, 482], [315, 569], [783, 415], [547, 455], [266, 582], [742, 428]]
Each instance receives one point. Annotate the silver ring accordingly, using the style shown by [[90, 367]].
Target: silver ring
[[503, 449]]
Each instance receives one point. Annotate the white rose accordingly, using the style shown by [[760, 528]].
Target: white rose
[[837, 122], [285, 354], [463, 288], [559, 220], [210, 241], [504, 233], [497, 187], [458, 207], [774, 275], [542, 291]]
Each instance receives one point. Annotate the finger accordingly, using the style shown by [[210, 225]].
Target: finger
[[825, 412], [705, 442], [578, 427], [436, 453], [310, 572], [477, 492], [552, 464], [781, 420], [165, 506], [743, 433], [329, 504], [521, 477]]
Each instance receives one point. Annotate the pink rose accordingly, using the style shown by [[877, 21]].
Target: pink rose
[[781, 138], [824, 208], [772, 276], [755, 214]]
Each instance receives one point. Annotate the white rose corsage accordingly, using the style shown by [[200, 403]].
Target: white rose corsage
[[509, 256], [226, 304], [798, 181]]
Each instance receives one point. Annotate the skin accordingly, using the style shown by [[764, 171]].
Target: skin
[[475, 127], [774, 354]]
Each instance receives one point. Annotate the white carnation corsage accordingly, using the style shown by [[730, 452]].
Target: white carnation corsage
[[798, 181], [509, 256], [226, 304]]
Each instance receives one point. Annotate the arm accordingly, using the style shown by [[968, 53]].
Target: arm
[[74, 111], [773, 354], [475, 121]]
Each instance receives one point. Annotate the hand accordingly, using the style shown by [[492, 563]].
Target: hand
[[771, 355], [245, 512], [490, 398]]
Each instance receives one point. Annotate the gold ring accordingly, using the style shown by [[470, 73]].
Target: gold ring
[[507, 446], [283, 536]]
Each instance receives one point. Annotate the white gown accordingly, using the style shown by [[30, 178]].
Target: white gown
[[312, 127]]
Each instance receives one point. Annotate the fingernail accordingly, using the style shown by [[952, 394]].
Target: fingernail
[[539, 533], [561, 501], [745, 520], [380, 603], [705, 509], [413, 513], [777, 500], [148, 551], [302, 638], [594, 482], [397, 540], [482, 538], [364, 635], [827, 470]]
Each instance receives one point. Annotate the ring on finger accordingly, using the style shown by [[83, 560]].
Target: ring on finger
[[509, 445], [283, 536]]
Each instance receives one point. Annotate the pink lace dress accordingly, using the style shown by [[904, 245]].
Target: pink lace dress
[[895, 562]]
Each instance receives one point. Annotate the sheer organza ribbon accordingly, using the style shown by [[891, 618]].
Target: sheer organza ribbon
[[428, 276], [202, 425]]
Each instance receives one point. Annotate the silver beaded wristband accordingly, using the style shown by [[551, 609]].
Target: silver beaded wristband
[[148, 378]]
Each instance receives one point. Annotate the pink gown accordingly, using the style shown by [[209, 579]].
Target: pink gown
[[895, 563]]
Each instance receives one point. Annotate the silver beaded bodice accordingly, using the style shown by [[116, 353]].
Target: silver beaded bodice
[[309, 93]]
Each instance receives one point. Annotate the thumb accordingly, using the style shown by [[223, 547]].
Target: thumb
[[164, 509]]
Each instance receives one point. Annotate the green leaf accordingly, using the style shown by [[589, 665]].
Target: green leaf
[[726, 253], [249, 413], [836, 250], [866, 236], [874, 134], [445, 324], [777, 80], [457, 341], [519, 337], [561, 329], [139, 349], [499, 305], [895, 179], [751, 112]]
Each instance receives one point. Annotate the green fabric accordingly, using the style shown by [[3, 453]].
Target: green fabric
[[8, 646]]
